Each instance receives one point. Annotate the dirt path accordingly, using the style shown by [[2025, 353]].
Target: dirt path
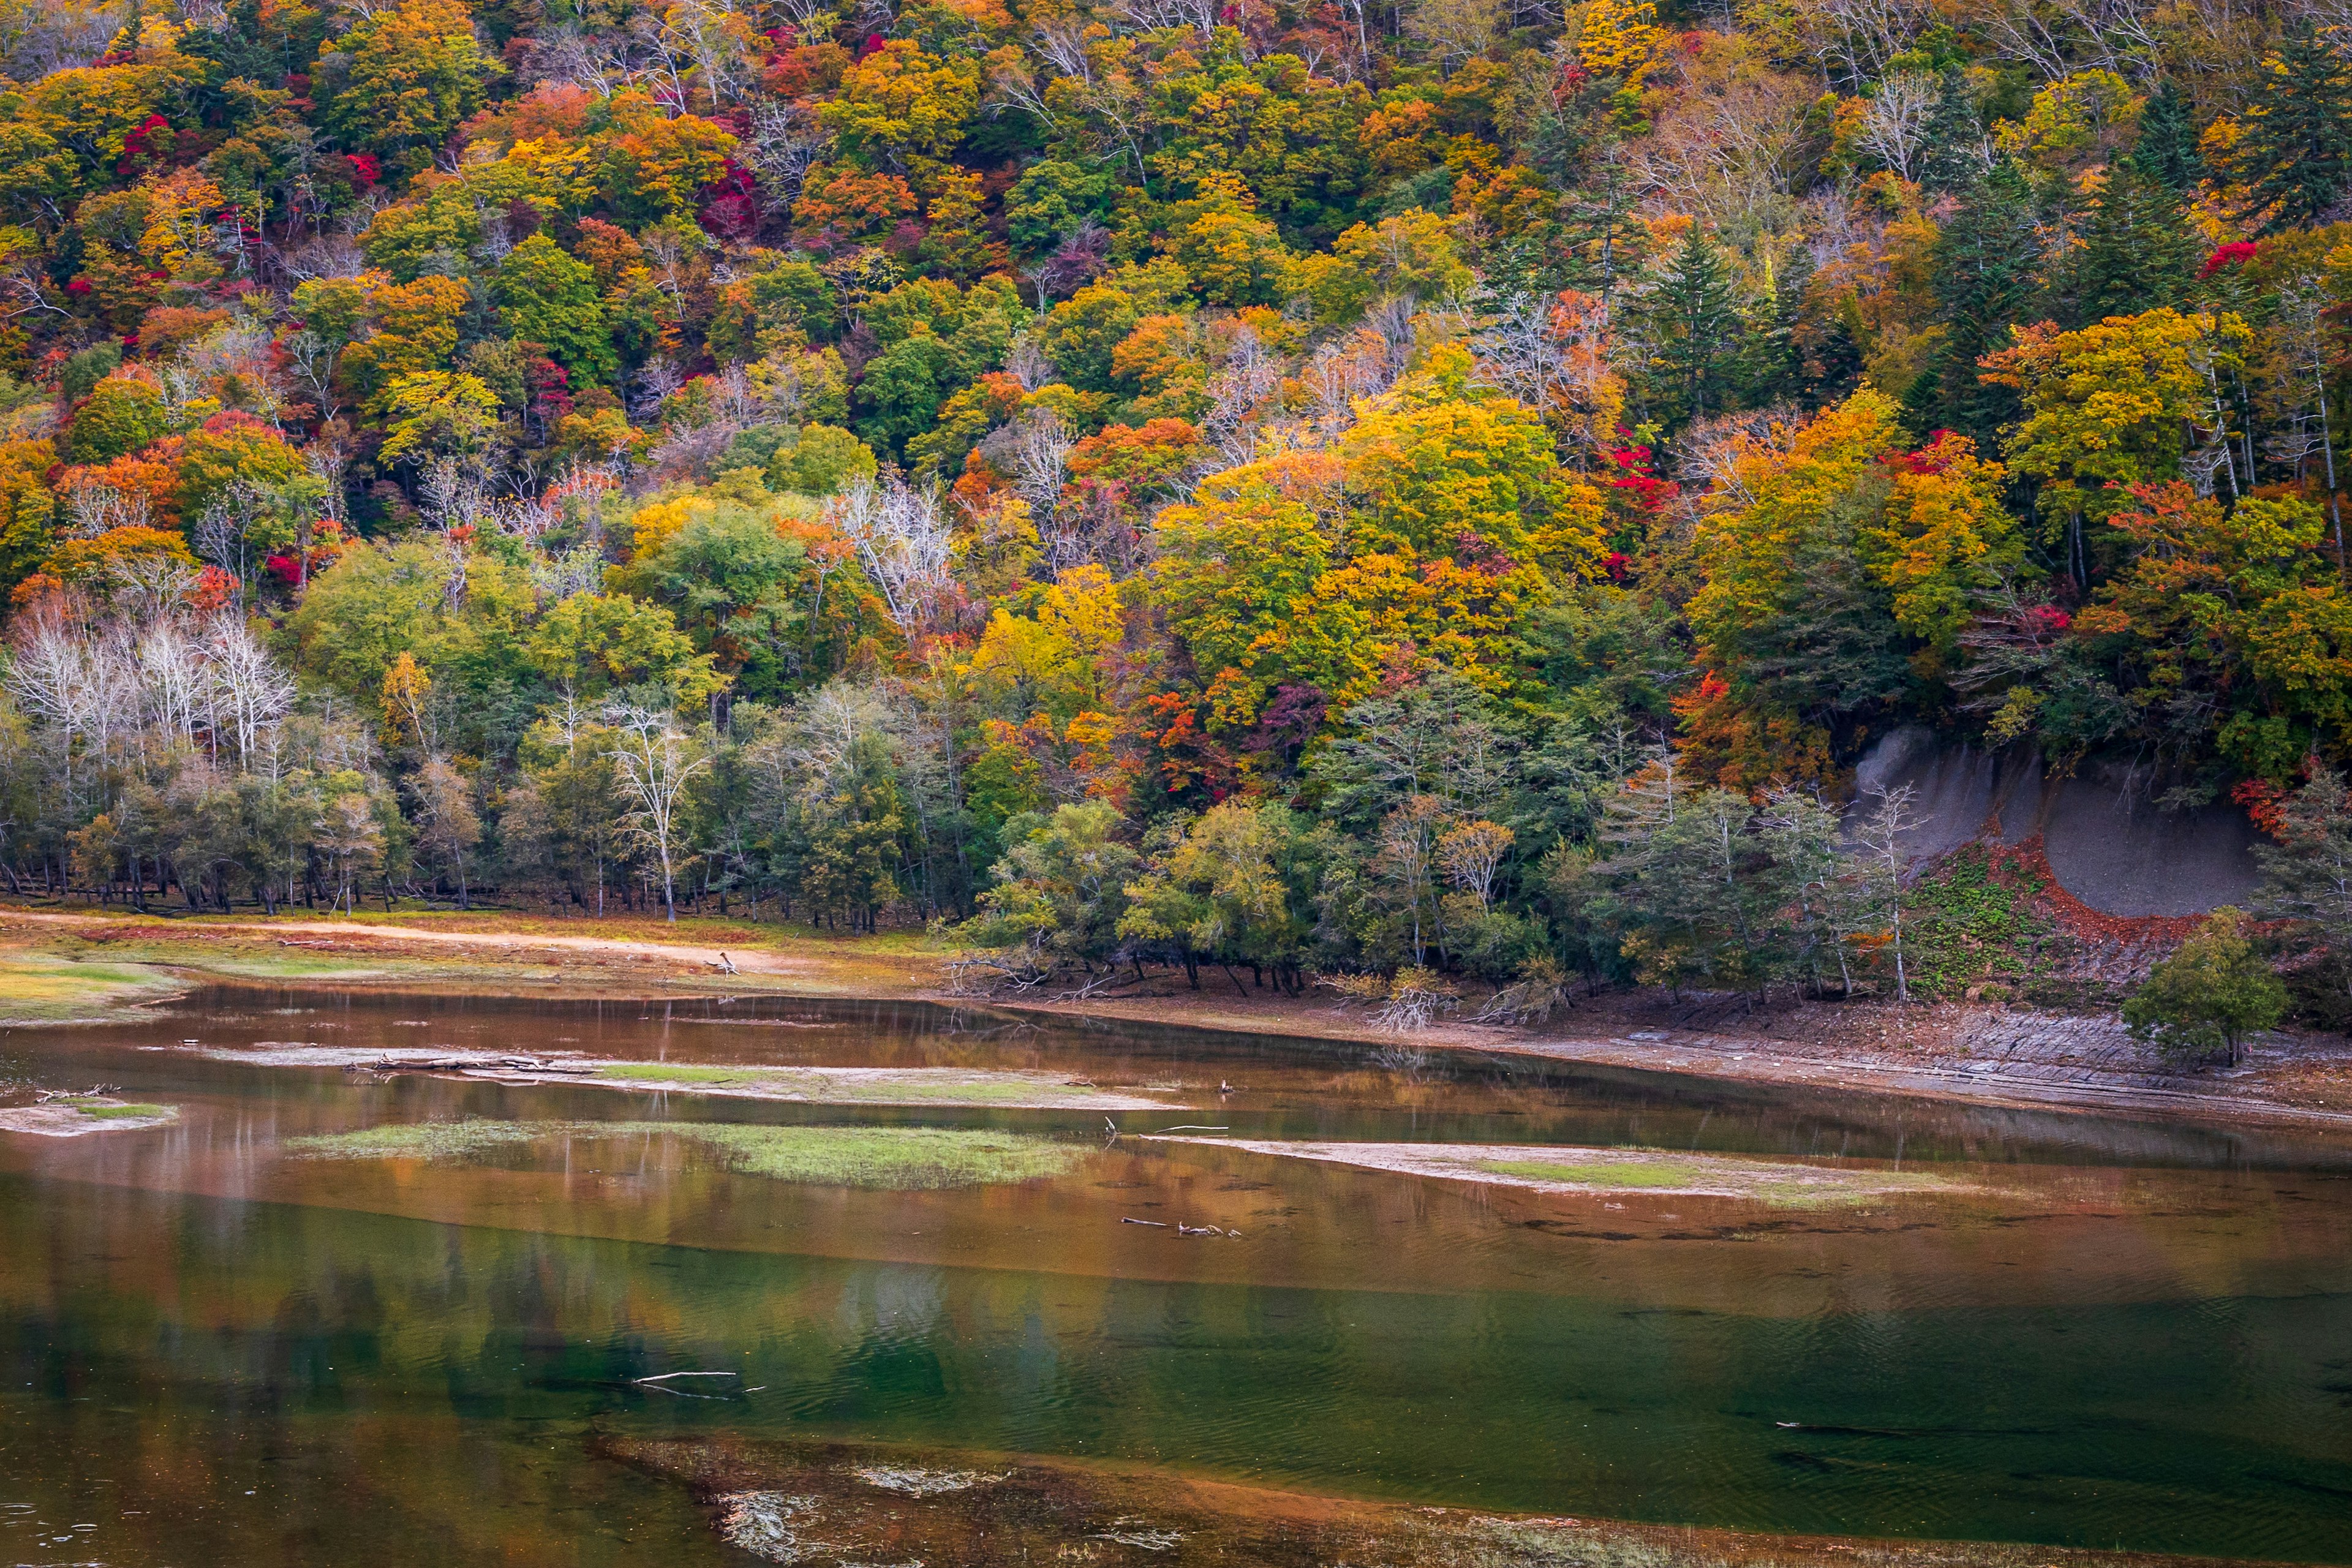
[[510, 942]]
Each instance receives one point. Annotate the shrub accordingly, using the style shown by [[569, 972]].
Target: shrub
[[2207, 996]]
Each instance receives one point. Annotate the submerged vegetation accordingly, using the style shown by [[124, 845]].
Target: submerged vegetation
[[904, 1159]]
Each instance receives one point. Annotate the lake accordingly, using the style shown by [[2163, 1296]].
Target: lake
[[221, 1344]]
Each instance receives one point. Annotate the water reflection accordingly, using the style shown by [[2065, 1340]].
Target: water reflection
[[2129, 1333]]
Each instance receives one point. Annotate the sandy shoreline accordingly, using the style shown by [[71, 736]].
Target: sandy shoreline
[[1941, 1052]]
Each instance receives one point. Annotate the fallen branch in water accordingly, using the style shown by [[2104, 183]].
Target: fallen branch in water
[[95, 1091], [1156, 1224]]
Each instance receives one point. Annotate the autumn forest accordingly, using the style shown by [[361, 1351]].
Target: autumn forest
[[1423, 493]]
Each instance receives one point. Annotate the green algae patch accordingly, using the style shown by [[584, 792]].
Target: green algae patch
[[126, 1111], [418, 1140], [895, 1159], [900, 1159]]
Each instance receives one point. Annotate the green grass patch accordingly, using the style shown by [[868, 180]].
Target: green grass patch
[[1615, 1174], [1974, 918], [127, 1113], [899, 1158], [418, 1140], [896, 1159], [663, 1072], [46, 988]]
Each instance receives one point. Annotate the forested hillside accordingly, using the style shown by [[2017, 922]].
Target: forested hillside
[[1452, 485]]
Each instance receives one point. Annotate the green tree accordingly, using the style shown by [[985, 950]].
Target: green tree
[[2213, 993], [1689, 328], [1983, 281], [2295, 157], [903, 389], [1953, 143], [1061, 889], [548, 297], [2137, 249], [2307, 874], [2166, 152], [416, 71], [1050, 200], [123, 414], [1230, 888]]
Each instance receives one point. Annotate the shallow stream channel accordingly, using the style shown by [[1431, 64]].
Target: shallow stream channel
[[319, 1278]]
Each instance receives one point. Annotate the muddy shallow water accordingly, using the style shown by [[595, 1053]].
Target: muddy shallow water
[[219, 1342]]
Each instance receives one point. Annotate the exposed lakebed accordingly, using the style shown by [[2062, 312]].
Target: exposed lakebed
[[402, 1315]]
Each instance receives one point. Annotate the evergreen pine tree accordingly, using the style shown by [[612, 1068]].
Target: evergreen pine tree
[[1955, 140], [2166, 153], [2296, 156], [1983, 281], [1770, 365], [2136, 253], [1690, 323]]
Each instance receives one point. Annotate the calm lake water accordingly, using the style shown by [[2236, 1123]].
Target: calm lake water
[[2115, 1334]]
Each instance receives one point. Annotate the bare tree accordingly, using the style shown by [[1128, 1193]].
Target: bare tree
[[1473, 855], [1549, 354], [51, 680], [171, 676], [785, 142], [253, 695], [224, 531], [2056, 37], [653, 761], [2306, 352], [1895, 120], [1041, 446], [97, 509], [903, 541], [1251, 374], [1853, 39], [1453, 31], [1882, 844], [1152, 15], [448, 826], [353, 842]]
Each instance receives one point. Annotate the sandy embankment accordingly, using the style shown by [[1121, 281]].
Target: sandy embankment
[[1989, 1054]]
